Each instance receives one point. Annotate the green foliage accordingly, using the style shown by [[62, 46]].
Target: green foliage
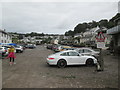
[[69, 33], [34, 34], [103, 23], [82, 27]]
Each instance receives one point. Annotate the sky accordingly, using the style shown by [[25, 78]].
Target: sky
[[53, 17]]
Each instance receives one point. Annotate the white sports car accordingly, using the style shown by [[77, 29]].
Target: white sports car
[[70, 57]]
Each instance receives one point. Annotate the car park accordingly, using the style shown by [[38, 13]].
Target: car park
[[70, 57]]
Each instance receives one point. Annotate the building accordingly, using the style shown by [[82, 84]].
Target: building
[[5, 37], [88, 37], [115, 33], [15, 38], [54, 41], [29, 39]]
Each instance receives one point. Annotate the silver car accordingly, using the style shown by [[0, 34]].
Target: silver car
[[70, 57], [88, 51]]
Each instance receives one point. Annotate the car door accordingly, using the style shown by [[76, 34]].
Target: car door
[[73, 58]]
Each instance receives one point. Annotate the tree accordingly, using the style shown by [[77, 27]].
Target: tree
[[103, 23], [34, 34], [112, 22], [69, 33], [80, 28], [94, 24]]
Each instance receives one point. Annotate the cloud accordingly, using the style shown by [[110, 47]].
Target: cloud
[[59, 0], [53, 17]]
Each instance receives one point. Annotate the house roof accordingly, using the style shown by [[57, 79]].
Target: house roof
[[3, 31], [117, 19], [114, 30]]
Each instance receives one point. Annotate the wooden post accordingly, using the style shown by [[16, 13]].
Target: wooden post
[[100, 64], [101, 60]]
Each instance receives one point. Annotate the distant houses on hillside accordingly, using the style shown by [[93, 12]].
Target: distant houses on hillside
[[89, 37]]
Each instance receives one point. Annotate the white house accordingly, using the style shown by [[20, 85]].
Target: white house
[[89, 35], [5, 37], [54, 41]]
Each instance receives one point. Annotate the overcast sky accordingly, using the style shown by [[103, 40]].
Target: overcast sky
[[53, 17]]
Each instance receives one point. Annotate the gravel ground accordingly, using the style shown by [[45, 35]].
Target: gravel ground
[[31, 71]]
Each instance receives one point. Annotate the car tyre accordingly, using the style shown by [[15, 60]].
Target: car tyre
[[61, 63], [21, 51], [89, 62]]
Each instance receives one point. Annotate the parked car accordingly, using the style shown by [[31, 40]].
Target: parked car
[[70, 57], [49, 46], [57, 48], [64, 48], [61, 48], [54, 46], [19, 49], [69, 48], [23, 45], [88, 51], [30, 46], [8, 46], [3, 51]]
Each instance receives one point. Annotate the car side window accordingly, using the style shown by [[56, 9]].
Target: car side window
[[64, 54], [80, 51], [73, 54], [87, 51]]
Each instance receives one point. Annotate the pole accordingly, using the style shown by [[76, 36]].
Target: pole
[[101, 60], [100, 63]]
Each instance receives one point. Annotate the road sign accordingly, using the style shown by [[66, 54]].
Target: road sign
[[100, 37], [100, 44], [100, 40]]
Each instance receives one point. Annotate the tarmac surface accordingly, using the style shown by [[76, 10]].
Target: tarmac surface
[[31, 71]]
